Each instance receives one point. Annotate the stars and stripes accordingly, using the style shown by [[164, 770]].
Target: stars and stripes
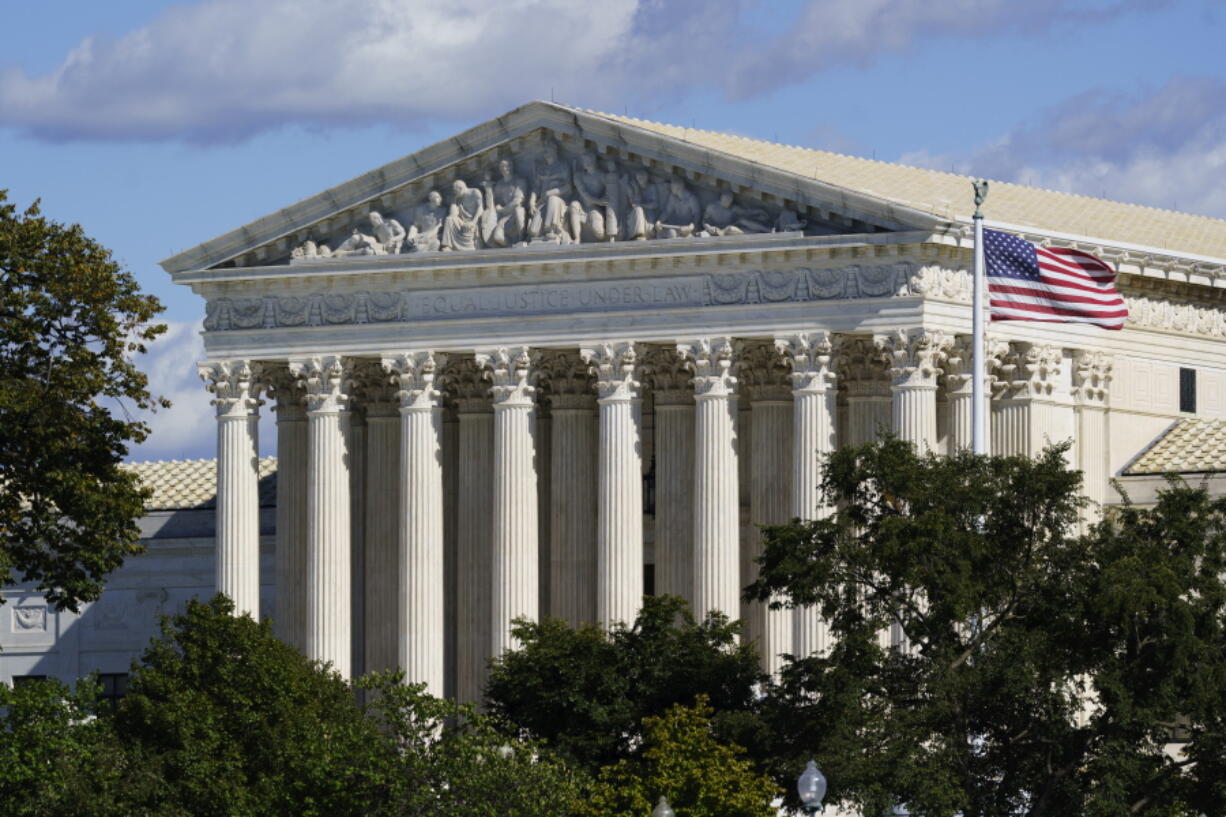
[[1030, 283]]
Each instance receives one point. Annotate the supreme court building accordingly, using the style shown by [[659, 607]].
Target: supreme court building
[[565, 358]]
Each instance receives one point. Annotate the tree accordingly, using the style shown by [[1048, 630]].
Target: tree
[[228, 720], [455, 761], [1043, 672], [71, 320], [584, 691], [682, 761]]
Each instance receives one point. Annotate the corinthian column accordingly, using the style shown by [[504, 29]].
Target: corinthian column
[[813, 419], [474, 579], [1091, 389], [572, 547], [673, 429], [420, 608], [1033, 405], [915, 359], [382, 562], [770, 484], [515, 591], [862, 369], [329, 590], [235, 390], [716, 511], [289, 620], [619, 531]]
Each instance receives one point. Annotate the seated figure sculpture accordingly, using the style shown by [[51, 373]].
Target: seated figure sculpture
[[309, 249], [428, 218], [358, 244], [643, 201], [460, 228], [724, 217], [681, 214], [592, 206], [504, 219], [388, 232], [547, 205]]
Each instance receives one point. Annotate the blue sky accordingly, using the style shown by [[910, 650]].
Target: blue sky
[[158, 125]]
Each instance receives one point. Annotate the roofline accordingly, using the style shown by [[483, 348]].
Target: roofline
[[1102, 242]]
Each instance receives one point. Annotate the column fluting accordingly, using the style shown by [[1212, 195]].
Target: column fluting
[[915, 362], [289, 616], [619, 535], [235, 389], [329, 632], [673, 429], [716, 511]]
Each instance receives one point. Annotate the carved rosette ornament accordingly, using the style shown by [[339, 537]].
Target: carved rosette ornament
[[511, 372], [1092, 374], [810, 357], [914, 359], [615, 367], [234, 386], [326, 380], [413, 376], [709, 361]]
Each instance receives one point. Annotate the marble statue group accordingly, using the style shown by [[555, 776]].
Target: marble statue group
[[561, 201]]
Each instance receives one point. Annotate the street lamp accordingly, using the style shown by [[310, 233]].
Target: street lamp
[[811, 786], [663, 809]]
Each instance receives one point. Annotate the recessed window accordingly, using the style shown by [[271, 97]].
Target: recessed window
[[18, 680], [114, 687], [649, 580], [1187, 391]]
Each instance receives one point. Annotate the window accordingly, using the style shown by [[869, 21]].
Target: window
[[114, 687], [18, 680], [1187, 391], [649, 580]]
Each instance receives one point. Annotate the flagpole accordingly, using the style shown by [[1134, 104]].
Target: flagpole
[[979, 442]]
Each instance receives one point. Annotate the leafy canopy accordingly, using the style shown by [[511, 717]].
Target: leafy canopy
[[585, 691], [1043, 672], [71, 321]]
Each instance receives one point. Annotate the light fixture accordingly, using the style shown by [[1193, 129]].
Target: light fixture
[[811, 786], [663, 809]]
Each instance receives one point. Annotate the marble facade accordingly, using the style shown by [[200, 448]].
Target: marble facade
[[560, 359]]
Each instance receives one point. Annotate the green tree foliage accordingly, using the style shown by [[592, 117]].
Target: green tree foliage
[[228, 720], [71, 320], [682, 761], [1045, 670], [585, 691], [455, 762]]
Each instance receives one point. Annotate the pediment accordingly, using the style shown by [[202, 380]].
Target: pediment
[[546, 175]]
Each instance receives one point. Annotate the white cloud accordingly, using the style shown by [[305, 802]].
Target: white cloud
[[1165, 148], [187, 429], [225, 69]]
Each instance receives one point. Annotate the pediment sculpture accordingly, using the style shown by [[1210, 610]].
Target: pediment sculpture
[[553, 198]]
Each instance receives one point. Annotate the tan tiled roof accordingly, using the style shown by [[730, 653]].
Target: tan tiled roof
[[180, 484], [1191, 445], [948, 195]]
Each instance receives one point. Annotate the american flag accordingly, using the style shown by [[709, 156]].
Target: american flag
[[1030, 283]]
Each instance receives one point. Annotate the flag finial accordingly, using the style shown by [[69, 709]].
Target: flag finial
[[981, 193]]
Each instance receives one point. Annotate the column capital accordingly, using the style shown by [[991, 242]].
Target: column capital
[[512, 371], [1027, 370], [915, 358], [375, 388], [283, 387], [234, 385], [615, 366], [327, 381], [710, 362], [810, 356], [1092, 374], [762, 372], [413, 376], [666, 375], [958, 367], [566, 379], [465, 383]]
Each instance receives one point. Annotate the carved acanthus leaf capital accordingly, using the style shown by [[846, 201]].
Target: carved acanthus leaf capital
[[615, 367], [327, 381], [283, 387], [564, 375], [810, 355], [1092, 373], [1028, 370], [234, 384], [761, 371], [512, 371], [915, 358], [709, 360], [862, 364], [666, 373], [413, 375]]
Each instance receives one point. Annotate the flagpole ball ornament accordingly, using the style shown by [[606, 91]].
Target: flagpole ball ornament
[[811, 786], [663, 809]]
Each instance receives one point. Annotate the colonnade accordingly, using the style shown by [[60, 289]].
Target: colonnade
[[459, 470]]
